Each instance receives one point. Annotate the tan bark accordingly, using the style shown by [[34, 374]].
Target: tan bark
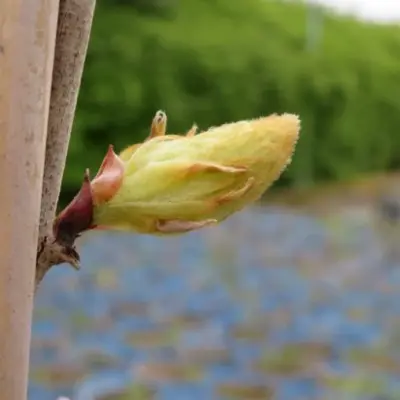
[[73, 32], [27, 39]]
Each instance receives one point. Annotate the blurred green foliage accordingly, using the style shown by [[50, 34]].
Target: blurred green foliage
[[213, 61]]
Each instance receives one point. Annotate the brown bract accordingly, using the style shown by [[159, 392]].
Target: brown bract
[[77, 217]]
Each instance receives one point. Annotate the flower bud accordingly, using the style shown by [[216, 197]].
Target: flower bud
[[178, 183]]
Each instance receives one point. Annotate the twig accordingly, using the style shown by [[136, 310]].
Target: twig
[[73, 33]]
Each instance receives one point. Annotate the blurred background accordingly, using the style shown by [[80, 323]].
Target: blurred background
[[295, 298]]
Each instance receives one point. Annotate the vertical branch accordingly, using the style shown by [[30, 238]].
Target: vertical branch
[[73, 33], [27, 39]]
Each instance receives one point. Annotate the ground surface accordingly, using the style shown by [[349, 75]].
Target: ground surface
[[275, 303]]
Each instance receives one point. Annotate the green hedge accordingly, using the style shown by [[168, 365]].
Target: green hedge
[[212, 61]]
